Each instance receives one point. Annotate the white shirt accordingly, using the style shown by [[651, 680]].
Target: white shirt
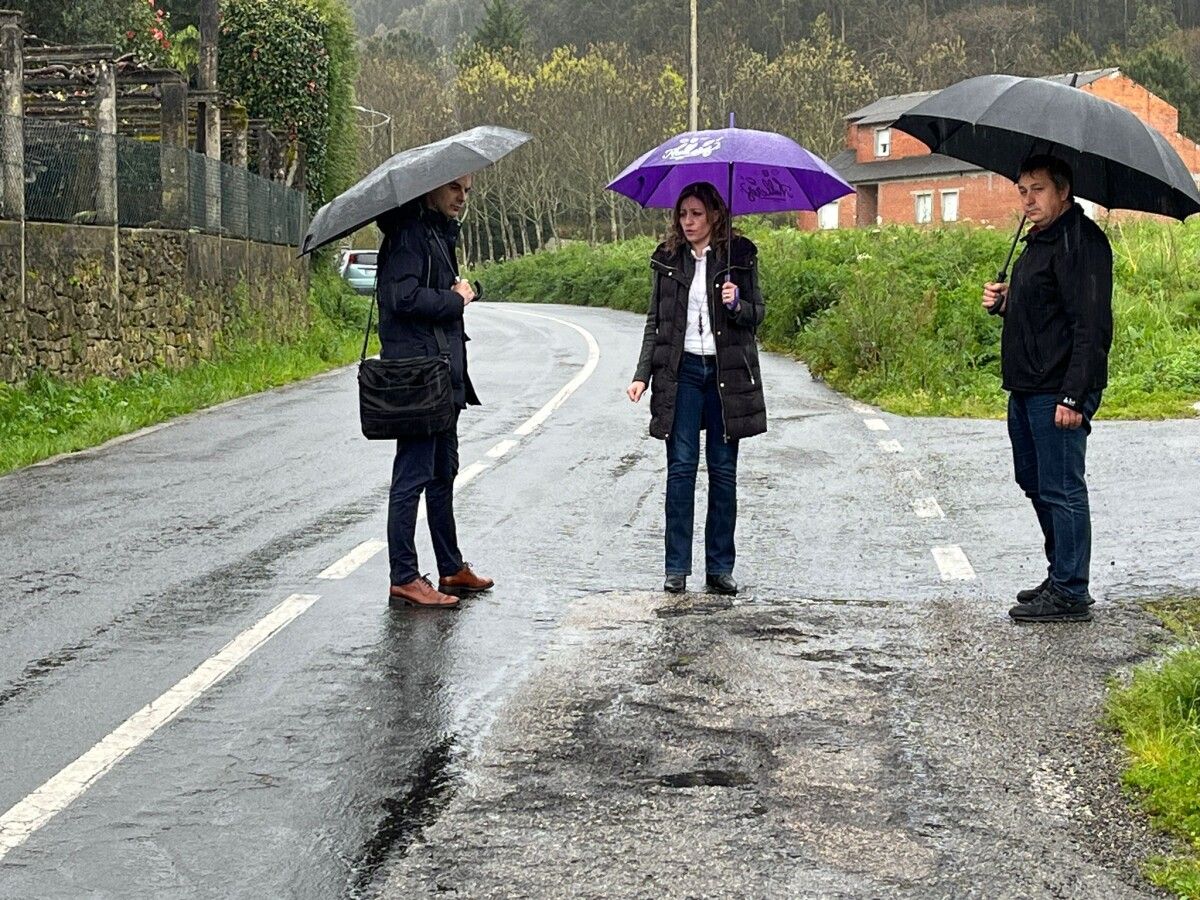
[[698, 338]]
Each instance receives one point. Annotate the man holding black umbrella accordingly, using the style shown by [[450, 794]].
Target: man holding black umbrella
[[422, 300], [1054, 361]]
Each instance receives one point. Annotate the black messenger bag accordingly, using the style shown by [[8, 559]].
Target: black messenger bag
[[411, 397]]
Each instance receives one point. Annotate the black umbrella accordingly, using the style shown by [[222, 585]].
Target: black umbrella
[[999, 121], [410, 174]]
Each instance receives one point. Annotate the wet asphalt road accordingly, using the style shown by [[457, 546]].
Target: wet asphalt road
[[362, 751]]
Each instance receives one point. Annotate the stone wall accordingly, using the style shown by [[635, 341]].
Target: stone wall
[[105, 301]]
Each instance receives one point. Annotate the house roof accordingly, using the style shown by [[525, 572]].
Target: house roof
[[928, 165], [888, 109]]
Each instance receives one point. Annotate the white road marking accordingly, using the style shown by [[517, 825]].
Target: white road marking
[[352, 560], [953, 564], [875, 424], [928, 508], [70, 783], [862, 409], [537, 419], [890, 447], [469, 474], [501, 448]]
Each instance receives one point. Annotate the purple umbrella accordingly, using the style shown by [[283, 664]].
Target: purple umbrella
[[754, 171]]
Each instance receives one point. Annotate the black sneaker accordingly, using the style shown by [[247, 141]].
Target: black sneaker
[[675, 584], [1030, 595], [721, 584], [1051, 606]]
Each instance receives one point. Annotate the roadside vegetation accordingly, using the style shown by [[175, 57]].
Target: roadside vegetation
[[44, 417], [892, 316], [1158, 716]]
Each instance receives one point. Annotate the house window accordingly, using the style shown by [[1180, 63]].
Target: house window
[[827, 216], [949, 206], [883, 141], [924, 207]]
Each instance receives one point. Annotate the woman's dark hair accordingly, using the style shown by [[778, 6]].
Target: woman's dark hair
[[718, 214], [1059, 172]]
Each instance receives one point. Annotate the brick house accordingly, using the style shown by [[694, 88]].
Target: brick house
[[899, 181]]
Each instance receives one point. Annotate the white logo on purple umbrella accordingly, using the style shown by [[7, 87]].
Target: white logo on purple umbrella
[[692, 147], [767, 186]]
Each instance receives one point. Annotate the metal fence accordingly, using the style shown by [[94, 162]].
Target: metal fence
[[156, 185]]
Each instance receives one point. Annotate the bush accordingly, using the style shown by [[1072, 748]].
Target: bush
[[892, 315], [292, 62]]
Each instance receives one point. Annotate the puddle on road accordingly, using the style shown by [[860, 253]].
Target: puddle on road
[[407, 815]]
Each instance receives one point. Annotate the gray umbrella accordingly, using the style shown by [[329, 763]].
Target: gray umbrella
[[409, 174], [997, 121]]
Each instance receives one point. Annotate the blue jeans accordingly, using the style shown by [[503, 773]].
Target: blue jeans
[[697, 402], [426, 465], [1049, 463]]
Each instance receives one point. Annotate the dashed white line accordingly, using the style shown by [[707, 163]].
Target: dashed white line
[[953, 564], [70, 783], [891, 447], [501, 448], [875, 424], [469, 474], [928, 508], [352, 560], [862, 409]]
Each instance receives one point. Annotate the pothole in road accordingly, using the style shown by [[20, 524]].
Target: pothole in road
[[705, 778], [704, 607]]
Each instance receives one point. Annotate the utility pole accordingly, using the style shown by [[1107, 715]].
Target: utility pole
[[694, 105]]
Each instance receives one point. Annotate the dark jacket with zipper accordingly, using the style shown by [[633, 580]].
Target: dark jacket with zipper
[[417, 266], [1058, 316], [743, 407]]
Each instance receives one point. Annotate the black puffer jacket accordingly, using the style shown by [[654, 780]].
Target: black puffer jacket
[[743, 407], [417, 266]]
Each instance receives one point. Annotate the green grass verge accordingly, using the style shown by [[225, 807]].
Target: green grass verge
[[892, 315], [1158, 716], [45, 417]]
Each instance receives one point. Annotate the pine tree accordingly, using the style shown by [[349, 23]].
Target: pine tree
[[502, 28]]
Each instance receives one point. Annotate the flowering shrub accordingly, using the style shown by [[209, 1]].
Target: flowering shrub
[[147, 32]]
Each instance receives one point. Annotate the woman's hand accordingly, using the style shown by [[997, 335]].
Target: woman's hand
[[636, 390], [729, 296]]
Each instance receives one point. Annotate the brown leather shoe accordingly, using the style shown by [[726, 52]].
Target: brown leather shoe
[[420, 592], [463, 582]]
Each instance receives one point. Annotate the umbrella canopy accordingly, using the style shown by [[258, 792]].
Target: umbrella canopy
[[407, 175], [754, 171], [998, 121]]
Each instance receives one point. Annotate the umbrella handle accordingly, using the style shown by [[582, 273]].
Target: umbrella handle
[[1002, 275], [478, 290]]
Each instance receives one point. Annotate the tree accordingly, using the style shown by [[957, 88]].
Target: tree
[[806, 91], [1073, 54], [400, 43], [502, 28], [1167, 73], [1154, 22], [292, 62]]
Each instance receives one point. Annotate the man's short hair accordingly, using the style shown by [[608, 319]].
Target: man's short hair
[[1060, 173]]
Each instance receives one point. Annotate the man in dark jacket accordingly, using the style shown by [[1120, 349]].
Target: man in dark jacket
[[1054, 360], [421, 305]]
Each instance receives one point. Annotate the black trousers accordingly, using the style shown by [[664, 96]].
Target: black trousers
[[425, 465]]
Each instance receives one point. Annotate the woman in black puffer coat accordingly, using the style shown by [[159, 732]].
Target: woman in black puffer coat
[[700, 361]]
